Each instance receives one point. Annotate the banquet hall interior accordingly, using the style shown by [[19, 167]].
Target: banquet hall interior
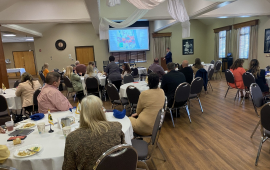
[[224, 127]]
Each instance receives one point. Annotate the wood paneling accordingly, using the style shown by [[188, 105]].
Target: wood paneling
[[85, 54], [157, 35], [163, 63], [25, 59], [227, 28], [245, 24], [3, 69]]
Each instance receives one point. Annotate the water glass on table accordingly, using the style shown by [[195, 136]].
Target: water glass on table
[[66, 131], [9, 126], [41, 127]]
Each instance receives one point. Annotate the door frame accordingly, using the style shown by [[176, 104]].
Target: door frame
[[85, 46], [33, 56]]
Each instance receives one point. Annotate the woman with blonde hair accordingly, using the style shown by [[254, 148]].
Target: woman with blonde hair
[[74, 78], [94, 137], [259, 74], [45, 69], [90, 73], [26, 90]]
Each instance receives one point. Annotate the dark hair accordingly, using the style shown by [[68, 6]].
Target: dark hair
[[127, 68], [91, 63], [111, 58], [171, 66], [153, 80], [167, 48], [237, 63], [198, 63], [254, 67], [156, 60], [52, 77], [26, 76]]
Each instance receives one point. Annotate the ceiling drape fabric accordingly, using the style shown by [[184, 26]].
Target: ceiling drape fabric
[[105, 22], [177, 10], [145, 4], [111, 3]]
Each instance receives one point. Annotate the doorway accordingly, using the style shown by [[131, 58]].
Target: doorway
[[85, 54], [25, 59]]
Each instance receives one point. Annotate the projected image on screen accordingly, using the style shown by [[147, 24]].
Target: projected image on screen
[[129, 39]]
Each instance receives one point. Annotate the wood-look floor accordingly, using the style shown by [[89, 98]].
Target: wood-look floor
[[218, 138]]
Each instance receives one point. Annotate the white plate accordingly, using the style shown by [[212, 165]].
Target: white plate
[[27, 147], [22, 124]]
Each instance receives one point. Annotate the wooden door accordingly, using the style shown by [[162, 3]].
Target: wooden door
[[85, 54], [25, 59]]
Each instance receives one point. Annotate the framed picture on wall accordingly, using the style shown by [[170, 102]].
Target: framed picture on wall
[[188, 47], [267, 41]]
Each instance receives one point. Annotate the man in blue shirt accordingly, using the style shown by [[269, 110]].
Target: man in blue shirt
[[168, 56]]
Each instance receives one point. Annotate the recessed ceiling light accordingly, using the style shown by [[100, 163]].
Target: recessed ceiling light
[[9, 35], [29, 39], [223, 17]]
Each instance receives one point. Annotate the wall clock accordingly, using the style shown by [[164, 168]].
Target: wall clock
[[60, 45]]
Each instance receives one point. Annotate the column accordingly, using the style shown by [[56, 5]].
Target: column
[[3, 69]]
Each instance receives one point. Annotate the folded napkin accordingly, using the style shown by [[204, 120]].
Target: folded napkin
[[37, 116], [4, 153], [119, 115]]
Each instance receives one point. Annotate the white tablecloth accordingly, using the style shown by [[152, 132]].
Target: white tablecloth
[[141, 85], [142, 71], [205, 66], [13, 101], [52, 155], [267, 81], [102, 80], [15, 70], [176, 69]]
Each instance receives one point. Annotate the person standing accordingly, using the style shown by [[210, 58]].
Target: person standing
[[156, 68], [168, 56], [113, 72]]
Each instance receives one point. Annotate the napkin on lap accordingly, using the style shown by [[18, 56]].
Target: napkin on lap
[[37, 116], [119, 115]]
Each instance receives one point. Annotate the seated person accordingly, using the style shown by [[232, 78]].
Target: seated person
[[187, 71], [238, 71], [94, 137], [90, 73], [149, 103], [74, 67], [197, 66], [171, 81], [92, 63], [113, 72], [259, 75], [126, 70], [50, 97], [45, 69], [26, 90], [156, 68], [75, 79], [80, 68]]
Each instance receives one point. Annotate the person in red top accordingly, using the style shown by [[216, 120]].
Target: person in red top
[[238, 71], [80, 68]]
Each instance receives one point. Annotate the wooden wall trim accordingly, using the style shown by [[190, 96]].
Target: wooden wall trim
[[227, 28], [245, 24], [157, 35]]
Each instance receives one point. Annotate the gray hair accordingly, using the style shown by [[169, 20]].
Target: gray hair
[[77, 62], [171, 66]]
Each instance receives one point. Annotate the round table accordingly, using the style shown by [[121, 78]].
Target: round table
[[205, 66], [51, 156], [140, 85], [102, 79], [13, 101]]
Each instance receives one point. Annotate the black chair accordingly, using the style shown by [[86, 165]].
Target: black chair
[[69, 86], [133, 95], [196, 88], [230, 79], [141, 146], [120, 157], [41, 75], [92, 86], [120, 62], [209, 68], [257, 100], [132, 62], [4, 111], [128, 78], [35, 101], [135, 72], [210, 75], [265, 127], [217, 68], [181, 95], [149, 71], [16, 84], [56, 70], [248, 79], [268, 68], [114, 96], [212, 62]]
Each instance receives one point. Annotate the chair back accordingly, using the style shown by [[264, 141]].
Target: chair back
[[134, 72], [256, 95], [229, 76], [91, 83], [35, 95], [112, 92], [265, 116], [133, 94], [156, 127], [209, 68], [210, 74], [218, 66], [149, 71], [16, 84], [67, 82], [120, 157], [128, 78], [182, 92], [41, 75], [3, 105], [56, 70], [196, 85], [105, 63], [248, 79], [212, 62]]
